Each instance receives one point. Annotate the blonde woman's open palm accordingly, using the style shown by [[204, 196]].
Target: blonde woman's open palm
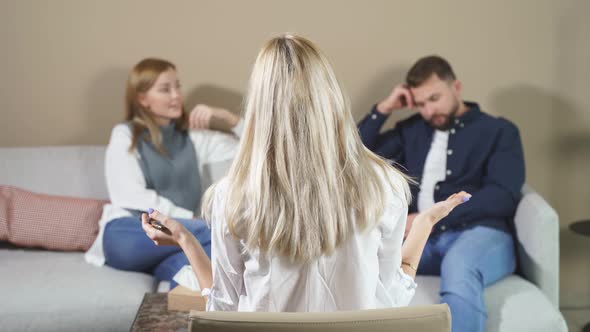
[[442, 209]]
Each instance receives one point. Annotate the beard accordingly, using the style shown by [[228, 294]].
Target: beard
[[448, 119]]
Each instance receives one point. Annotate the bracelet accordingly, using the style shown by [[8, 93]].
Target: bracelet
[[205, 292], [413, 267]]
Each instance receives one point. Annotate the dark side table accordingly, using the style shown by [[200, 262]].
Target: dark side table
[[582, 227], [153, 315]]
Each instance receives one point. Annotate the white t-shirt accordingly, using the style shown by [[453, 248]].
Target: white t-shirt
[[435, 169]]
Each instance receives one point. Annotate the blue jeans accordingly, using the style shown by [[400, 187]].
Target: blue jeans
[[127, 247], [467, 262]]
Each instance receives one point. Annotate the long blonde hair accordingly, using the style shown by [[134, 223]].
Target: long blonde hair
[[302, 176], [141, 79]]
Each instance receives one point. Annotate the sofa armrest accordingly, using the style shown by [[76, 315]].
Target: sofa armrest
[[537, 232]]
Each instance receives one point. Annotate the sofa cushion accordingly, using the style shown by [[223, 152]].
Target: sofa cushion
[[52, 222], [76, 171], [59, 291], [518, 305], [513, 304]]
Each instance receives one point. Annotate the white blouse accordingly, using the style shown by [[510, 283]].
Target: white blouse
[[363, 273], [126, 183]]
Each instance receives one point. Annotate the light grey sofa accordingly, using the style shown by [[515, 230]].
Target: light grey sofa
[[528, 300], [58, 291]]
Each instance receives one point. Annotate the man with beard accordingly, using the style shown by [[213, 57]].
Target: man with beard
[[449, 146]]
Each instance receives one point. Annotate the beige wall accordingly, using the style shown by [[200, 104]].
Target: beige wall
[[64, 64]]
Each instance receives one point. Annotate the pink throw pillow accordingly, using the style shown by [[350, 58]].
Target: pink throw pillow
[[52, 222]]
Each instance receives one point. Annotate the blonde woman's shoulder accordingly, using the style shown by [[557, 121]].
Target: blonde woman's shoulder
[[219, 191], [395, 185], [221, 186], [215, 196]]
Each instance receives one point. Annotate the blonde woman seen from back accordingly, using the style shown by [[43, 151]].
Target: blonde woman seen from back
[[307, 219]]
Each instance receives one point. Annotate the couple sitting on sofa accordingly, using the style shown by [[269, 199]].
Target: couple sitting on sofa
[[308, 219]]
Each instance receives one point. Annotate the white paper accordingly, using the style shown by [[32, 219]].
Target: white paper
[[186, 277]]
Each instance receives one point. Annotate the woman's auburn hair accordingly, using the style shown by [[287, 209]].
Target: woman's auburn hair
[[141, 79]]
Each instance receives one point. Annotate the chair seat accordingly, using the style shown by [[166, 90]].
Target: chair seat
[[513, 304]]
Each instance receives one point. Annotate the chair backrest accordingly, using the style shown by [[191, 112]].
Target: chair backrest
[[416, 319]]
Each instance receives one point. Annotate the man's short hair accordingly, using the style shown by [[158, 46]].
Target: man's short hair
[[423, 69]]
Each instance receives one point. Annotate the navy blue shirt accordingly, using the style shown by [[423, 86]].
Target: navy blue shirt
[[484, 158]]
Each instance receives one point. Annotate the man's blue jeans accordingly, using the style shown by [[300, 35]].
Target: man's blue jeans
[[468, 261], [127, 247]]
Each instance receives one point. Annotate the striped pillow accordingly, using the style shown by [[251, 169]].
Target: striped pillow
[[29, 219]]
